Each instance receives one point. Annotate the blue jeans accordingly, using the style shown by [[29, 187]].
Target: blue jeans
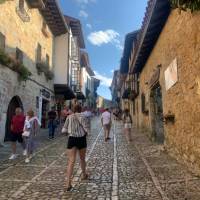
[[52, 128]]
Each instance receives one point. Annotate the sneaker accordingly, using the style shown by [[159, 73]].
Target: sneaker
[[27, 160], [25, 152], [13, 156]]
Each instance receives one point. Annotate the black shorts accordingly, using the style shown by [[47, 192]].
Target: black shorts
[[78, 142], [16, 137]]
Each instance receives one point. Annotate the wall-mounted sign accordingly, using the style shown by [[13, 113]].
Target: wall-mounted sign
[[45, 93], [171, 74]]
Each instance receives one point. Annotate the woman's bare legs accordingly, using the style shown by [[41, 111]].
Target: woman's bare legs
[[71, 153], [127, 132], [82, 154], [129, 135]]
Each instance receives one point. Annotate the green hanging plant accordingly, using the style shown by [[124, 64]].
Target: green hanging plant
[[16, 66], [192, 5], [2, 1], [43, 67]]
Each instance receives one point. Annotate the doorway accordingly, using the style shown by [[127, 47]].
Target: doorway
[[45, 109], [14, 103], [156, 114]]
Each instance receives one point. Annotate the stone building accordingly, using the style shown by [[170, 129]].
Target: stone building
[[166, 64], [115, 89], [27, 34]]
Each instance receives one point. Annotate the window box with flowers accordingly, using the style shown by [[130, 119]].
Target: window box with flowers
[[42, 67], [14, 65], [184, 5]]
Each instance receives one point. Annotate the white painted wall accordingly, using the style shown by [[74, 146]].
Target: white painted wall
[[85, 75], [61, 59]]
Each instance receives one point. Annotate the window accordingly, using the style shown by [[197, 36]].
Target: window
[[39, 53], [47, 59], [134, 107], [21, 5], [2, 41], [20, 9], [44, 29], [19, 55], [143, 100]]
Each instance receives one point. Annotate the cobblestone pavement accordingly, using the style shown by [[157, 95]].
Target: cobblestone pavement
[[139, 171]]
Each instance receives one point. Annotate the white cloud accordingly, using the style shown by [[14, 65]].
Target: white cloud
[[85, 1], [89, 26], [82, 13], [105, 81], [112, 70], [104, 37]]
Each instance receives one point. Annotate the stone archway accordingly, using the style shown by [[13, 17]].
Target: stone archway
[[156, 113], [14, 103]]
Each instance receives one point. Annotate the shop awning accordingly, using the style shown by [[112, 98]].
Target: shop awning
[[64, 90], [80, 96]]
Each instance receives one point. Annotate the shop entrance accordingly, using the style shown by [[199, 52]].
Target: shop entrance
[[14, 103], [45, 109], [156, 113]]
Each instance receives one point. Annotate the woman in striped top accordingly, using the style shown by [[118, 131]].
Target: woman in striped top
[[75, 126]]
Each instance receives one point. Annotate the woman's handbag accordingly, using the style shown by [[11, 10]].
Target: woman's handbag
[[26, 133], [64, 130], [81, 125]]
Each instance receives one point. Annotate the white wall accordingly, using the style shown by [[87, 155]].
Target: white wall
[[84, 78], [61, 59]]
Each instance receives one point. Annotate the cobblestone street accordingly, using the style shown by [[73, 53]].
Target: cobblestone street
[[139, 171]]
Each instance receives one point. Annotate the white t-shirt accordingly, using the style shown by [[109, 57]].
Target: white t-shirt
[[106, 117]]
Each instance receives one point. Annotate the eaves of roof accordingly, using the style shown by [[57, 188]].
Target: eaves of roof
[[157, 13]]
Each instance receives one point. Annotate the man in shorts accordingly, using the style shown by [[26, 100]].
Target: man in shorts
[[17, 126], [106, 123]]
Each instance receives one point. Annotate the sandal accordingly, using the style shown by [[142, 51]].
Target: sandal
[[68, 189], [84, 177]]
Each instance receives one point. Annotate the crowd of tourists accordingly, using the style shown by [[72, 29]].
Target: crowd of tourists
[[75, 122]]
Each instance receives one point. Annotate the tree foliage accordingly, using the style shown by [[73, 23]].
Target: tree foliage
[[192, 5]]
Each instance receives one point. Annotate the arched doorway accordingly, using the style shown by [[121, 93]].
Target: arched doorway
[[14, 103], [156, 113]]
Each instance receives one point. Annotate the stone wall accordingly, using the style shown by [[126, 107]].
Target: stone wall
[[25, 36], [26, 91], [179, 39]]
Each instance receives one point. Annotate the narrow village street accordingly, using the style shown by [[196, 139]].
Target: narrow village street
[[139, 171]]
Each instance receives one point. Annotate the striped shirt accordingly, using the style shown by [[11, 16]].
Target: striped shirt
[[75, 125]]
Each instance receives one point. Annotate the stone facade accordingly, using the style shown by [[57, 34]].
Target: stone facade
[[179, 39], [25, 36]]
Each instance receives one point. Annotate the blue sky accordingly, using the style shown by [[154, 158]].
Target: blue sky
[[105, 24]]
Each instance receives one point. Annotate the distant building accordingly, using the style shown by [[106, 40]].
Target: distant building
[[89, 83], [103, 103], [76, 43]]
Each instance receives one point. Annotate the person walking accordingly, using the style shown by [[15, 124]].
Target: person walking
[[17, 125], [31, 129], [52, 124], [127, 120], [106, 123], [75, 126], [88, 115]]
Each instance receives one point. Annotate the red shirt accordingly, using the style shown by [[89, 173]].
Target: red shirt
[[17, 123]]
